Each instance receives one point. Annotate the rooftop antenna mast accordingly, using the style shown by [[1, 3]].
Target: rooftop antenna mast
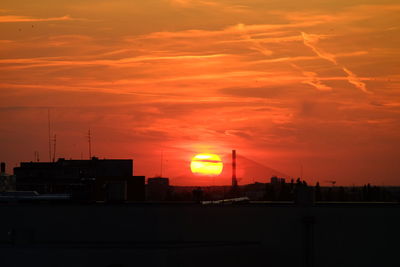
[[54, 148], [49, 132], [36, 156], [90, 144]]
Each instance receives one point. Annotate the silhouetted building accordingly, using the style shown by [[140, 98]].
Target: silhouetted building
[[115, 191], [7, 181], [158, 189], [197, 194], [255, 191], [304, 195], [136, 190], [119, 189], [277, 180], [2, 167], [83, 178]]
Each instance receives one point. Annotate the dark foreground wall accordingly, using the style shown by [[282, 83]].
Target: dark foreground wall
[[193, 235]]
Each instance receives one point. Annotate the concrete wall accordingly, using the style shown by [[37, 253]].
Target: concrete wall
[[195, 235]]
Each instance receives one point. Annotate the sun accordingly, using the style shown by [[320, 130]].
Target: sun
[[206, 164]]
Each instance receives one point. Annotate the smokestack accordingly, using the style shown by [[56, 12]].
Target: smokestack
[[3, 167], [234, 180]]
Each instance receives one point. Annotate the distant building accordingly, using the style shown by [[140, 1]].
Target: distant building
[[7, 181], [255, 191], [88, 178], [158, 189], [276, 180]]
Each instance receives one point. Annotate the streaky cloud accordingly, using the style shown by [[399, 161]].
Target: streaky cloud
[[30, 19], [311, 41], [312, 79]]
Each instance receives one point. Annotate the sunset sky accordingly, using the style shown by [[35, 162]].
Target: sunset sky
[[291, 85]]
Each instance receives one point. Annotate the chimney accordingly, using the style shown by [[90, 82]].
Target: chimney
[[3, 167], [234, 180]]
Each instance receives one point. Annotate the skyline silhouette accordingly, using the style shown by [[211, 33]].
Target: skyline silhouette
[[170, 133], [309, 89]]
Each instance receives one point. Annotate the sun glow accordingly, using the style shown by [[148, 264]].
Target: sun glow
[[206, 164]]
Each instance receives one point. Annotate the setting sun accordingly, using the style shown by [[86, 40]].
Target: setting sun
[[206, 164]]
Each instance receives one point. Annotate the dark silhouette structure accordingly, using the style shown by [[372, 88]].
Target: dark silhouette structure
[[2, 167], [234, 179], [6, 181], [234, 190], [94, 179], [197, 194], [188, 234], [158, 189]]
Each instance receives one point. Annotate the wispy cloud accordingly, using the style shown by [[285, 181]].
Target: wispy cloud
[[312, 79], [232, 8], [59, 61], [31, 19], [311, 41], [255, 44], [308, 58], [355, 80]]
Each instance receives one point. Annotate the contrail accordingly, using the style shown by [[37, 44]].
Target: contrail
[[353, 79], [312, 79], [311, 40], [256, 44]]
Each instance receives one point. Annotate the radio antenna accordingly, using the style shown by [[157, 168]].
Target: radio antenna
[[90, 144], [49, 132], [55, 146]]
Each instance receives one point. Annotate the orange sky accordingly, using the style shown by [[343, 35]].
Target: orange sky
[[285, 83]]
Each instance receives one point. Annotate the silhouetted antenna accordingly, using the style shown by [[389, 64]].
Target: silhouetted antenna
[[36, 156], [90, 144], [49, 132], [54, 148]]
